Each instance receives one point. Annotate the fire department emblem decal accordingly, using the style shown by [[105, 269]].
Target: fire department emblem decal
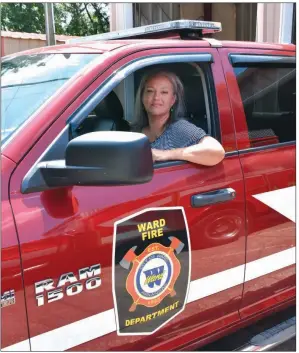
[[151, 269]]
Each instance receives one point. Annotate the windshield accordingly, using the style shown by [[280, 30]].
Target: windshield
[[27, 81]]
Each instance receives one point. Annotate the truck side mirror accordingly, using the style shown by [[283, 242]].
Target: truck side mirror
[[102, 158]]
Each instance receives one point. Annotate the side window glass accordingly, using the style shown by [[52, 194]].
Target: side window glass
[[193, 79], [116, 111], [269, 100], [108, 115]]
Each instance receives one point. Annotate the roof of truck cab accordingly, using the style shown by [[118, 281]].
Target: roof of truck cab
[[258, 45], [106, 46]]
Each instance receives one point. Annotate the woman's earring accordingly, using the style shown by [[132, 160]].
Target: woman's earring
[[171, 109]]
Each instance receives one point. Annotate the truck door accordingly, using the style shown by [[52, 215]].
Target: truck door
[[67, 234], [262, 84], [14, 329]]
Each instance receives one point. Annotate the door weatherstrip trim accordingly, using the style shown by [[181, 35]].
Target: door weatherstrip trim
[[229, 154], [239, 60], [268, 147]]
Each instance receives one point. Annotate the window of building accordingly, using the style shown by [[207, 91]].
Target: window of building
[[269, 100]]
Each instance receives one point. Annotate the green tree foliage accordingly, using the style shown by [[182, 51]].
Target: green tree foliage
[[77, 19], [22, 17]]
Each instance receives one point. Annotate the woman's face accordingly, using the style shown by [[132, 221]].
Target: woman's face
[[158, 96]]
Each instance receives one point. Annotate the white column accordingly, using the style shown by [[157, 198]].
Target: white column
[[121, 16], [286, 20], [268, 22], [259, 22]]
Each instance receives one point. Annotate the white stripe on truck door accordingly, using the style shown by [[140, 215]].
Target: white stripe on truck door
[[101, 324]]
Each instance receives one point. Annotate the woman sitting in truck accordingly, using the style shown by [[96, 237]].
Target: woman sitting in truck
[[159, 114]]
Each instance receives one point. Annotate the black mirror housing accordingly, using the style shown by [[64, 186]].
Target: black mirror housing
[[102, 158]]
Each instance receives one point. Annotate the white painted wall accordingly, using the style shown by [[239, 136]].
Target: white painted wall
[[274, 22], [121, 16], [268, 22]]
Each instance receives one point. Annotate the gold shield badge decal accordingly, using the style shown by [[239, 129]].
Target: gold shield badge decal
[[153, 274], [151, 269]]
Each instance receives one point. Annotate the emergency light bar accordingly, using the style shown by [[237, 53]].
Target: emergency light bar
[[182, 27]]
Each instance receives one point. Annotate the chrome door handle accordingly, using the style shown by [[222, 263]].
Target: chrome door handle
[[211, 197]]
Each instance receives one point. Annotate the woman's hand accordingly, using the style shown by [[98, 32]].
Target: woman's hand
[[160, 155]]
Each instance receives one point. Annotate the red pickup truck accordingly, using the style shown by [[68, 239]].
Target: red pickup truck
[[102, 249]]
